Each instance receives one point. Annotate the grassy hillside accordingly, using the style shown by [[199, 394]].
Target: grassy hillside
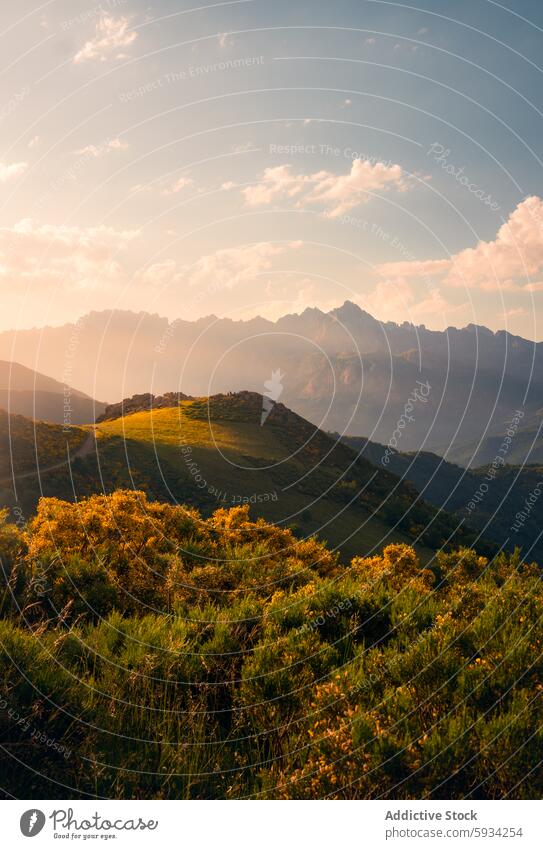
[[211, 453], [215, 452], [27, 444], [151, 653]]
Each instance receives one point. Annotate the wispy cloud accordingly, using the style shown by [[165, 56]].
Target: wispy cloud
[[102, 149], [75, 257], [112, 37], [336, 192], [12, 171], [225, 40], [178, 186], [224, 269]]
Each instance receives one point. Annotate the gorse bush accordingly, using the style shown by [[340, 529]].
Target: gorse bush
[[149, 653]]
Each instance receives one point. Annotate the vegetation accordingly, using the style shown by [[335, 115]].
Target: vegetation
[[213, 452], [152, 653], [27, 445], [288, 468]]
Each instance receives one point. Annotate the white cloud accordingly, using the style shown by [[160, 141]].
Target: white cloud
[[112, 37], [345, 191], [514, 312], [414, 268], [337, 193], [178, 186], [229, 267], [159, 273], [224, 269], [102, 149], [276, 183], [34, 142], [510, 261], [75, 257], [11, 172], [225, 39]]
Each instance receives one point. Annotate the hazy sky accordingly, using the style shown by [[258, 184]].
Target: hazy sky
[[257, 157]]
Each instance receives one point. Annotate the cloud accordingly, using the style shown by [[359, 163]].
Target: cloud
[[224, 269], [159, 274], [514, 312], [511, 261], [414, 268], [345, 191], [102, 149], [178, 186], [11, 172], [276, 183], [337, 193], [34, 142], [75, 257], [112, 37], [229, 267], [225, 39]]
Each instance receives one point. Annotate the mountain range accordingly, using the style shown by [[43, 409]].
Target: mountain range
[[342, 370]]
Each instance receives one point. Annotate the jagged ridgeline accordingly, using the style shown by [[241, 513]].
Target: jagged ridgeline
[[149, 652], [222, 452]]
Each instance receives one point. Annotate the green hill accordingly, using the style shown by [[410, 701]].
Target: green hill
[[211, 453]]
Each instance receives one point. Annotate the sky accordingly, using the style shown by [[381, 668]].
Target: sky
[[251, 158]]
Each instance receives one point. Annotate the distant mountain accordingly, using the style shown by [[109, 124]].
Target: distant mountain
[[504, 502], [214, 452], [29, 393], [342, 370]]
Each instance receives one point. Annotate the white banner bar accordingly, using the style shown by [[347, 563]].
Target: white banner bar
[[273, 825]]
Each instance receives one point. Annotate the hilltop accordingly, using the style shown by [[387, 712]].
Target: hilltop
[[214, 452]]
